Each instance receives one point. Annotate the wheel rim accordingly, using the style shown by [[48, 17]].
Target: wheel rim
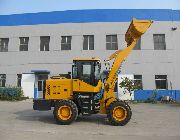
[[64, 112], [119, 113]]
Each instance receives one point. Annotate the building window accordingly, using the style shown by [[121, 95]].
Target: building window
[[111, 42], [19, 77], [138, 81], [41, 79], [161, 81], [88, 42], [66, 42], [44, 44], [138, 45], [2, 80], [23, 43], [4, 44], [159, 42]]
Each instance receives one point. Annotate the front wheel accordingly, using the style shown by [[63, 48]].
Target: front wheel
[[65, 112], [119, 113]]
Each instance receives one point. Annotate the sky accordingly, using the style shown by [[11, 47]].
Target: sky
[[8, 7]]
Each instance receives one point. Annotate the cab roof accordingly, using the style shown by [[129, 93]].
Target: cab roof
[[88, 59]]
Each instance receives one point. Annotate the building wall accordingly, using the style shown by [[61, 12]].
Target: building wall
[[147, 61]]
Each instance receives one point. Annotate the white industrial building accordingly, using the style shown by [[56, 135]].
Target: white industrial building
[[50, 40]]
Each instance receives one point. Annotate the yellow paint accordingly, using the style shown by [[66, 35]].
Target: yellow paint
[[63, 88], [80, 86], [64, 113], [58, 89], [119, 113], [102, 107], [136, 29]]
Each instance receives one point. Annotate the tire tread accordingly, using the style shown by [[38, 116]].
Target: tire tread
[[110, 116], [74, 111]]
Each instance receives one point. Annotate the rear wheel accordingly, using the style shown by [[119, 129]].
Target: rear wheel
[[65, 112], [119, 113]]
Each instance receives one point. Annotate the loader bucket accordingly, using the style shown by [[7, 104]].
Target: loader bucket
[[136, 29]]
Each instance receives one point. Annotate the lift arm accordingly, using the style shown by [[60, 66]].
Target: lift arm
[[136, 29]]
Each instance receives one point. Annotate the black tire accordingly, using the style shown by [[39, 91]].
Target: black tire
[[73, 111], [122, 121]]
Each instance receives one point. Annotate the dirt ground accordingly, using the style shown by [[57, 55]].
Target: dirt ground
[[18, 121]]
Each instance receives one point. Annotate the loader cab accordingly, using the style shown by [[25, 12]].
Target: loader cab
[[87, 70]]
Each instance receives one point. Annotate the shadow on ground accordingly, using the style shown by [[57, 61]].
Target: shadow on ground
[[47, 117], [174, 104], [96, 118], [31, 115]]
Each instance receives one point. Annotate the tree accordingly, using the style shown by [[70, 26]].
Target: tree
[[129, 85]]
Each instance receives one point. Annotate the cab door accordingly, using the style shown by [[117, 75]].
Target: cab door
[[86, 72]]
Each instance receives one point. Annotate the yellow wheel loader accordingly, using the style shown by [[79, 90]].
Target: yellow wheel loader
[[85, 93]]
